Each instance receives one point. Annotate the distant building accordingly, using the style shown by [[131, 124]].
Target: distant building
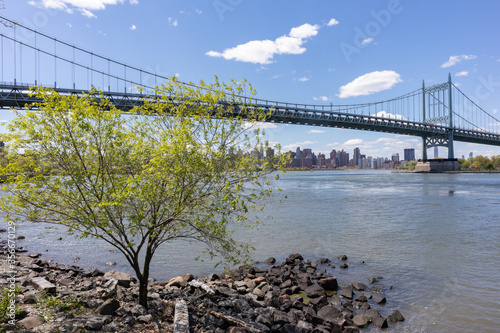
[[343, 158], [409, 154], [357, 157], [471, 155], [395, 158]]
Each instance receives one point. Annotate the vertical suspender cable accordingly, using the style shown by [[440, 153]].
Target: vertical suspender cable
[[55, 63], [15, 54], [109, 85], [73, 69], [92, 69], [2, 57], [36, 65]]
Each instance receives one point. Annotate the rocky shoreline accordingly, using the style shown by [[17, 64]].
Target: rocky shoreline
[[296, 295]]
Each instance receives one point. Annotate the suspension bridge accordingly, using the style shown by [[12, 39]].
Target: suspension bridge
[[439, 114]]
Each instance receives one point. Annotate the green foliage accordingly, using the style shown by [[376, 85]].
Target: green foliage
[[5, 302], [481, 163], [50, 305], [179, 167]]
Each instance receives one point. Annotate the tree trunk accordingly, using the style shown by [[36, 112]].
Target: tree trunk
[[143, 290]]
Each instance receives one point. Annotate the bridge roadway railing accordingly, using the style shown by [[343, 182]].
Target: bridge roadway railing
[[18, 96]]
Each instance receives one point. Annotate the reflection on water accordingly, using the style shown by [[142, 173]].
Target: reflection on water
[[434, 237]]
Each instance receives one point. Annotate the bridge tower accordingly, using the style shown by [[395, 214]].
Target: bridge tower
[[437, 109]]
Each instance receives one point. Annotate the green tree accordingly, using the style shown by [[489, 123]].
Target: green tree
[[168, 170], [481, 162]]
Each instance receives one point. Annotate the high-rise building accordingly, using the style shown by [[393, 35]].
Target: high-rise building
[[333, 158], [343, 158], [395, 158], [410, 154], [357, 157]]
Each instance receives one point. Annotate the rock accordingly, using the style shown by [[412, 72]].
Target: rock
[[379, 299], [110, 263], [146, 319], [322, 261], [138, 310], [305, 326], [342, 257], [376, 290], [329, 313], [360, 320], [346, 292], [292, 257], [280, 317], [188, 277], [361, 298], [41, 284], [359, 286], [123, 279], [271, 261], [344, 266], [108, 307], [96, 322], [31, 322], [31, 297], [177, 281], [395, 317], [379, 322], [315, 291], [350, 329], [34, 255], [329, 283]]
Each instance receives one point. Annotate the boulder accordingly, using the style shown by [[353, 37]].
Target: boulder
[[329, 313], [31, 322], [177, 281], [322, 261], [359, 286], [360, 320], [123, 279], [379, 299], [329, 283], [346, 292], [108, 307], [395, 317], [271, 261], [292, 257], [315, 291]]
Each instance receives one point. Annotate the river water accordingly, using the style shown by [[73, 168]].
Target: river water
[[434, 238]]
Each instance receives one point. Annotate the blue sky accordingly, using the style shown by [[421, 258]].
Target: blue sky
[[322, 52]]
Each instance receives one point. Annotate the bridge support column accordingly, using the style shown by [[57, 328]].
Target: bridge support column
[[424, 148], [451, 153]]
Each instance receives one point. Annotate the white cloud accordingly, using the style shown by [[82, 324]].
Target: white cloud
[[384, 114], [69, 25], [133, 27], [88, 13], [198, 11], [370, 83], [134, 2], [303, 79], [353, 142], [316, 131], [332, 22], [453, 60], [302, 144], [367, 41], [85, 7], [263, 51], [462, 73], [259, 125], [495, 111], [321, 98], [173, 22]]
